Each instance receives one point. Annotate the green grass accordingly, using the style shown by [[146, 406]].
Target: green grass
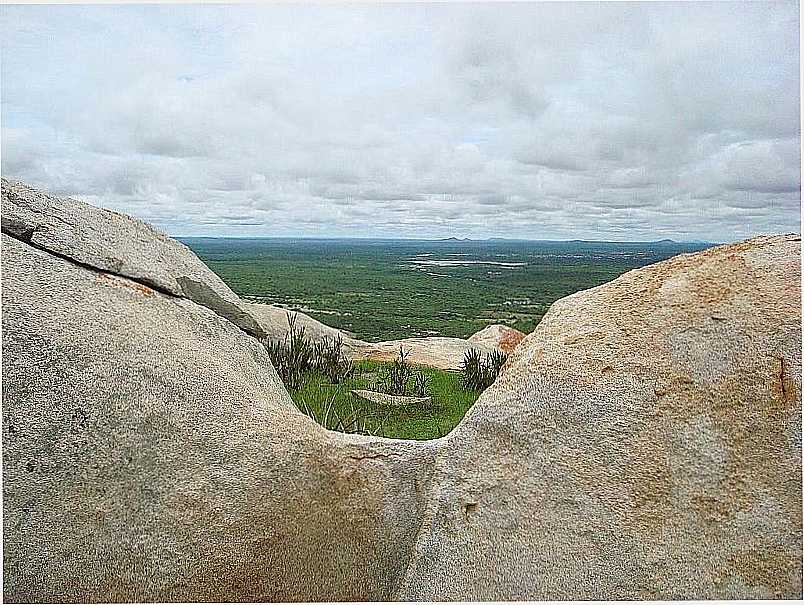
[[450, 402]]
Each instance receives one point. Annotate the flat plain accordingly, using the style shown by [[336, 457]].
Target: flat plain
[[388, 289]]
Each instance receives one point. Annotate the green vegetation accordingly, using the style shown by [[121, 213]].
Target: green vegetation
[[480, 371], [383, 289], [295, 356], [320, 380], [401, 378], [332, 362], [333, 405]]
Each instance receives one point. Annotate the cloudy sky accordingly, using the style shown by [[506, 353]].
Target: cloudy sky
[[544, 121]]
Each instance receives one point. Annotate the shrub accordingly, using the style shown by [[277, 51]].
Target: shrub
[[479, 370], [421, 384], [331, 361], [395, 380], [293, 356], [401, 379], [496, 360], [472, 369]]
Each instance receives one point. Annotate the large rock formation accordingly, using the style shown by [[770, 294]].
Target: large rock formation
[[644, 442], [151, 453], [432, 351], [117, 245]]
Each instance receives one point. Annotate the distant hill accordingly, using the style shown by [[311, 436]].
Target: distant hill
[[594, 241]]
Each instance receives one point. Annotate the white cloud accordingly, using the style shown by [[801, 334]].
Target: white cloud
[[533, 120]]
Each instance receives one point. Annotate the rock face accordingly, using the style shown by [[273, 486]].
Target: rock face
[[498, 336], [397, 400], [643, 442], [117, 245], [151, 453], [434, 351], [274, 322]]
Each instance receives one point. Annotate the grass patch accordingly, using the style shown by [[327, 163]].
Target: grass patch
[[333, 404]]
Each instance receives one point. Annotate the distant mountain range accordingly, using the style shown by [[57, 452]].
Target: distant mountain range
[[591, 241], [454, 240]]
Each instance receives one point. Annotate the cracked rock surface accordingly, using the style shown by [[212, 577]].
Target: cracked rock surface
[[118, 244], [151, 453], [643, 443]]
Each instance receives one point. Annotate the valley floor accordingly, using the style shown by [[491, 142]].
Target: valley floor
[[390, 289]]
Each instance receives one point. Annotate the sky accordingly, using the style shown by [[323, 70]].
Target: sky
[[618, 121]]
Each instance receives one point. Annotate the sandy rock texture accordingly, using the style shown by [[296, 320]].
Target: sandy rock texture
[[432, 351], [274, 322], [643, 442], [498, 336], [118, 245], [151, 453]]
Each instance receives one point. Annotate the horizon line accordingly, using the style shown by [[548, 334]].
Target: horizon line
[[445, 239]]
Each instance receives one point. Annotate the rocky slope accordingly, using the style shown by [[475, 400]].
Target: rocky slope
[[645, 441], [433, 351]]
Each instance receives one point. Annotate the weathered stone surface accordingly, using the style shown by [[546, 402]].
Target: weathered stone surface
[[274, 321], [386, 399], [433, 351], [150, 453], [643, 442], [117, 244], [498, 336]]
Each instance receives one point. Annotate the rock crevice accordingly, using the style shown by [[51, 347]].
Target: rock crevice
[[151, 453], [120, 245], [25, 237]]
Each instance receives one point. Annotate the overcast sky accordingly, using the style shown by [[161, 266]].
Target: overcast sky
[[545, 121]]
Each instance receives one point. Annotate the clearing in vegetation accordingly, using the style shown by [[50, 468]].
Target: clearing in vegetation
[[393, 289], [321, 381], [336, 408]]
